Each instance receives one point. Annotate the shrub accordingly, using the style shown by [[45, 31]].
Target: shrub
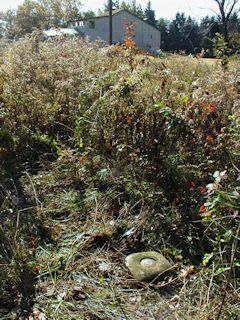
[[137, 130]]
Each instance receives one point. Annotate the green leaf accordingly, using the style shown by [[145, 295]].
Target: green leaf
[[221, 270], [207, 257], [160, 105], [228, 235]]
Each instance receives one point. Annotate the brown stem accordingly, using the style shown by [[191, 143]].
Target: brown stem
[[234, 247]]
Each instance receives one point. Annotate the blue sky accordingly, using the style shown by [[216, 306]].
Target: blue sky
[[163, 8]]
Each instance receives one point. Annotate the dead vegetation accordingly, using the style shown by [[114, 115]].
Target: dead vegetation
[[114, 157]]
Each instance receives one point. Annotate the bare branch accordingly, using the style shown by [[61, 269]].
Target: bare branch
[[226, 9], [231, 8]]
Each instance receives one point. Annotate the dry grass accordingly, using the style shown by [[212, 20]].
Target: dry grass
[[79, 227], [81, 271]]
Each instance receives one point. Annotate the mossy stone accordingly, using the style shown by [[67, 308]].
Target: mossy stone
[[147, 266]]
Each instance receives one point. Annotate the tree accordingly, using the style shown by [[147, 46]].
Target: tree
[[136, 9], [29, 16], [183, 34], [226, 10], [234, 27], [2, 28], [149, 15], [58, 12], [88, 14], [115, 5], [163, 26], [8, 17], [176, 33], [209, 27], [41, 14], [124, 5], [191, 36]]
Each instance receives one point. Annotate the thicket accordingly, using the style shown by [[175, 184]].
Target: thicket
[[156, 135], [181, 34]]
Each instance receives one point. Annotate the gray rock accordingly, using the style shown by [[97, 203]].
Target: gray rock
[[147, 266]]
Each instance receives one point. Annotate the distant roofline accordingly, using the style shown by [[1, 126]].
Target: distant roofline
[[106, 14], [53, 32], [103, 15]]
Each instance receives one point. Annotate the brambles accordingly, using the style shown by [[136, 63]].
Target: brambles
[[116, 156], [129, 43]]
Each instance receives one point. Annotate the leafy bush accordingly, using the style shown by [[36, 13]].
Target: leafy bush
[[134, 129]]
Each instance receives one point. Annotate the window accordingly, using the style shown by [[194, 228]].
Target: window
[[92, 24]]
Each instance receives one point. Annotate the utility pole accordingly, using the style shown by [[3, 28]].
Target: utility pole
[[110, 22]]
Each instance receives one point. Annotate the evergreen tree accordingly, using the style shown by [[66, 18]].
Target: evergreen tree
[[191, 36], [163, 26], [176, 38], [88, 14], [124, 5], [133, 6], [149, 15], [136, 9], [184, 34], [173, 36], [208, 28]]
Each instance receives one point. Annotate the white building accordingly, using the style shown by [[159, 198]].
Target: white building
[[145, 35], [51, 33]]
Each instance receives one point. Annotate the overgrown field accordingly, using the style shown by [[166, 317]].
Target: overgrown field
[[103, 153]]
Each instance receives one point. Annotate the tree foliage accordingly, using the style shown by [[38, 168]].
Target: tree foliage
[[41, 14], [186, 34], [149, 14], [183, 33], [136, 9]]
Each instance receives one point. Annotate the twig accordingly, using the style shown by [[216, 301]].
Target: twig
[[234, 249], [165, 271], [118, 299], [233, 164], [18, 212], [210, 284], [37, 201], [64, 125]]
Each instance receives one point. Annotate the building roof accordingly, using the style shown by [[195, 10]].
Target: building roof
[[60, 32], [102, 15], [114, 12], [106, 13]]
